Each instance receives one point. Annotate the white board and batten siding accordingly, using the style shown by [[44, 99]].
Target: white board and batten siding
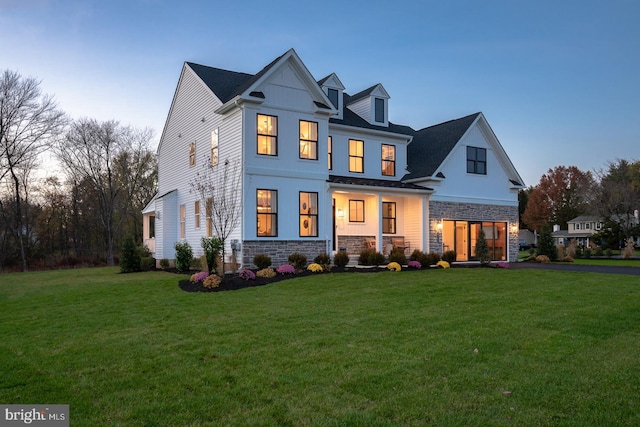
[[493, 188]]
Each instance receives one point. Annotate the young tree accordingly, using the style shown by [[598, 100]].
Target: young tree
[[29, 121], [482, 249], [219, 187]]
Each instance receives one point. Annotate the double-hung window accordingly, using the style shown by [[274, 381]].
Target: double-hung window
[[267, 213], [308, 140], [389, 217], [477, 160], [330, 152], [208, 208], [192, 154], [379, 110], [356, 210], [183, 219], [308, 214], [196, 213], [356, 156], [388, 160], [267, 135]]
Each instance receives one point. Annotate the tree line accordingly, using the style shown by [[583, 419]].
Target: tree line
[[108, 174], [566, 192]]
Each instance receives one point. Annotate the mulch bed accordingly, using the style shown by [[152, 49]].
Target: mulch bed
[[232, 282]]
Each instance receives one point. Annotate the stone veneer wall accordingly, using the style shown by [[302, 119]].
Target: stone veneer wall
[[473, 212], [279, 250], [353, 244]]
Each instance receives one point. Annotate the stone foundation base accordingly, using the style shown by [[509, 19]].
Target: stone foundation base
[[279, 250]]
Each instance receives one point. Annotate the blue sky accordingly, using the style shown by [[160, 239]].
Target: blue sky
[[559, 81]]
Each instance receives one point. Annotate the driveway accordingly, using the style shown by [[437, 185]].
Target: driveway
[[634, 271]]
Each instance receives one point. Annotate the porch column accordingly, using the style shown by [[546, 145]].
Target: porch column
[[424, 236], [379, 246]]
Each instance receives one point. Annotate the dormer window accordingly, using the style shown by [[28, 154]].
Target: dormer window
[[333, 96], [379, 110]]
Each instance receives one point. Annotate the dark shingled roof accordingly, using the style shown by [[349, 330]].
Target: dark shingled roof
[[337, 179], [358, 96], [431, 145], [349, 118]]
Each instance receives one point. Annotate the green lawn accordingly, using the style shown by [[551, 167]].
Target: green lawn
[[441, 347]]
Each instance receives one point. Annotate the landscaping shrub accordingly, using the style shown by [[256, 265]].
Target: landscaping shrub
[[262, 261], [376, 258], [212, 281], [397, 255], [129, 256], [432, 258], [197, 263], [448, 256], [546, 245], [598, 251], [608, 253], [394, 266], [482, 249], [578, 252], [315, 268], [267, 273], [587, 252], [542, 259], [247, 275], [324, 260], [567, 259], [147, 263], [184, 256], [341, 259], [286, 269], [365, 254], [298, 260], [211, 247], [164, 263], [629, 249]]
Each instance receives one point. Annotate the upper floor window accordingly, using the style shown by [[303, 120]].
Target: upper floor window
[[267, 135], [308, 214], [308, 140], [214, 146], [477, 160], [330, 153], [389, 217], [379, 110], [333, 96], [192, 154], [356, 210], [267, 213], [356, 156], [388, 160]]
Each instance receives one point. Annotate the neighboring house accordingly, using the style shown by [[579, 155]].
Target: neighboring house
[[322, 170], [581, 228]]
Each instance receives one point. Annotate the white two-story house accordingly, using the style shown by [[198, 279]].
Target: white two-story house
[[321, 170]]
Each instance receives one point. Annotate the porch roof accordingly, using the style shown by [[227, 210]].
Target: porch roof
[[370, 182]]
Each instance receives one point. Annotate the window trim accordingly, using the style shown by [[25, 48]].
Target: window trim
[[208, 212], [313, 217], [352, 211], [183, 221], [196, 214], [274, 136], [391, 218], [356, 157], [389, 162], [312, 142], [273, 212]]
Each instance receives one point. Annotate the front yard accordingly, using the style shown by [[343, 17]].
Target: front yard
[[443, 347]]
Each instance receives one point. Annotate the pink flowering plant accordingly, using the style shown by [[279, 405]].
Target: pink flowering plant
[[503, 264], [286, 269], [199, 277], [414, 264], [247, 275]]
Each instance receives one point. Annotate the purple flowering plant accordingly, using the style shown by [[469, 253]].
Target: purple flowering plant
[[247, 275], [503, 264], [286, 269], [199, 277], [414, 264]]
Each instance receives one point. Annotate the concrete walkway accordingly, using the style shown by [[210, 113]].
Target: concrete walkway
[[634, 271]]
